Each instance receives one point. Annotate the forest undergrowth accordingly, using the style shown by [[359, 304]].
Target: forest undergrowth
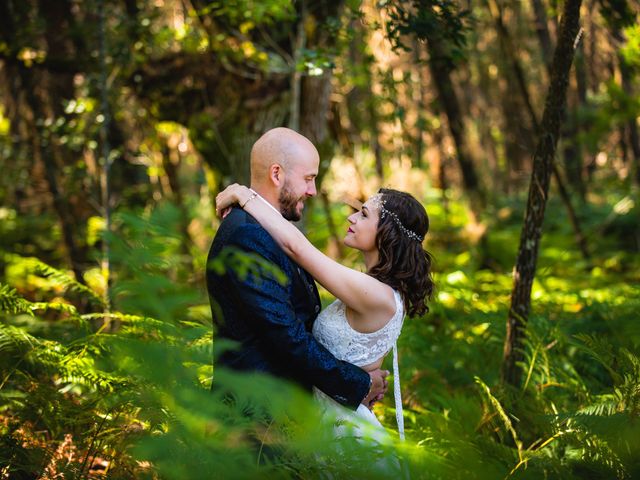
[[126, 392]]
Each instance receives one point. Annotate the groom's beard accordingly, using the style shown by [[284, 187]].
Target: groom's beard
[[288, 204]]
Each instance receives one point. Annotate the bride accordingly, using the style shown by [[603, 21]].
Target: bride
[[363, 324]]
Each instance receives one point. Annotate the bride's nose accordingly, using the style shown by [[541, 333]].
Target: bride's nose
[[351, 218]]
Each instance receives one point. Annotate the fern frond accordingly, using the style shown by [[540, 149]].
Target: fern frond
[[82, 370], [64, 280], [11, 302], [598, 451], [495, 403], [25, 354], [70, 310], [138, 320], [601, 350], [16, 341], [624, 368], [607, 405], [34, 357], [628, 393]]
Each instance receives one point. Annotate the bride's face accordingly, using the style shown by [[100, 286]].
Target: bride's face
[[363, 226]]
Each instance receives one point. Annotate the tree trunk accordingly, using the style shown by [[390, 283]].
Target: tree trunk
[[575, 169], [375, 137], [105, 174], [508, 49], [440, 68], [296, 75], [488, 89], [339, 131], [50, 167], [418, 97], [441, 167], [581, 239], [37, 94], [171, 160], [315, 102], [525, 267], [633, 139], [510, 52], [314, 121], [334, 238], [542, 30], [572, 151], [517, 134], [622, 141]]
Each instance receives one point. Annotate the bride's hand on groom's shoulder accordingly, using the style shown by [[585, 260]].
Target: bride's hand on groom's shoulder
[[227, 198], [378, 387]]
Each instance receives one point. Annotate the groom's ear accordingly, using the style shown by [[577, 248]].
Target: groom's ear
[[276, 174]]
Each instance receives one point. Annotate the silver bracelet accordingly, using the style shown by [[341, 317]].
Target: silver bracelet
[[251, 197]]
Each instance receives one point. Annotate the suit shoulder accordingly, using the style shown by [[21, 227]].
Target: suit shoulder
[[252, 236], [235, 227]]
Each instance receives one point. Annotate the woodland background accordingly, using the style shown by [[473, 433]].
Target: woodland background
[[121, 120]]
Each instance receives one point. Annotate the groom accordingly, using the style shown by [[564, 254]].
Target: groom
[[269, 318]]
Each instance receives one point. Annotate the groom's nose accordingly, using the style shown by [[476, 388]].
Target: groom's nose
[[311, 189]]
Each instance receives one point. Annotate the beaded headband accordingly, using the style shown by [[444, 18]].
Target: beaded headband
[[378, 202]]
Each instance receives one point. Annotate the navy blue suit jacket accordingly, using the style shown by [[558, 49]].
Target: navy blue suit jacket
[[271, 319]]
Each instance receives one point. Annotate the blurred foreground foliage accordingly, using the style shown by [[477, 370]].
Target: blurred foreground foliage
[[127, 394]]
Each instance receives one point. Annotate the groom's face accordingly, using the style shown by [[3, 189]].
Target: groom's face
[[299, 184]]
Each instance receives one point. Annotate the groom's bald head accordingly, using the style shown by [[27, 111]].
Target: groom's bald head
[[281, 146], [284, 165]]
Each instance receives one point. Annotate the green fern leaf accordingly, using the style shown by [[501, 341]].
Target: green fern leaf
[[38, 267], [12, 303]]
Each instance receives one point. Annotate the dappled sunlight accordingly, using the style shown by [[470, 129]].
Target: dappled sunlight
[[121, 121], [443, 357]]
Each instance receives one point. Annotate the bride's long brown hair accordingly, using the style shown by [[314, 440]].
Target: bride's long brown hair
[[403, 264]]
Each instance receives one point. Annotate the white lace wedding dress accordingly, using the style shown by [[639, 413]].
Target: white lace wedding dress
[[332, 330]]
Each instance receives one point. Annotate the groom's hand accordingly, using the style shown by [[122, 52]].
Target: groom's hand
[[378, 387]]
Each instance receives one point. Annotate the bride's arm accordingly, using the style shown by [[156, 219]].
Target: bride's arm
[[358, 290]]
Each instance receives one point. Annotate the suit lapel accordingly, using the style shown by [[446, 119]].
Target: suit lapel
[[306, 285], [309, 287]]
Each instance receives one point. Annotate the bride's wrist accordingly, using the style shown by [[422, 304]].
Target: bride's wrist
[[246, 196]]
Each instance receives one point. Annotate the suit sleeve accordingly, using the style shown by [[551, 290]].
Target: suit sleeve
[[269, 301]]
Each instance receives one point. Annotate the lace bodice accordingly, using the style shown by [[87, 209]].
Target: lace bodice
[[333, 331]]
